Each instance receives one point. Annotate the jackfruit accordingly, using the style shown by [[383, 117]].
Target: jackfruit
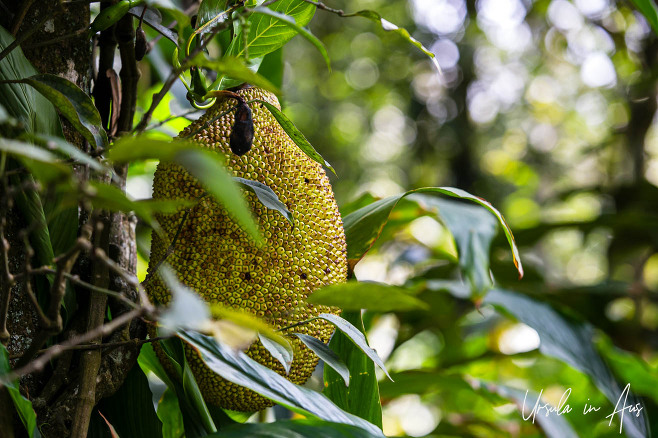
[[214, 256]]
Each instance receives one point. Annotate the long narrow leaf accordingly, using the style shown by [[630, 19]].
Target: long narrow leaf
[[326, 354]]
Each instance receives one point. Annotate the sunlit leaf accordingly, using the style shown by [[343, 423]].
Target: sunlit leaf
[[279, 351], [296, 135], [290, 22], [235, 68], [378, 297]]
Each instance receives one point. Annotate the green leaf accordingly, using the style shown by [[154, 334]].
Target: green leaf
[[363, 226], [127, 149], [356, 336], [73, 103], [266, 196], [23, 406], [70, 151], [235, 68], [169, 413], [290, 22], [42, 163], [237, 367], [361, 398], [390, 27], [130, 410], [649, 10], [473, 229], [110, 15], [207, 168], [296, 135], [21, 101], [630, 368], [571, 342], [210, 14], [267, 33], [326, 354], [294, 429], [279, 351], [355, 295]]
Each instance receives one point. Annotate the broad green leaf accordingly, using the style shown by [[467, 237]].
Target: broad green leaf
[[361, 398], [21, 101], [266, 196], [290, 22], [390, 27], [173, 8], [296, 135], [127, 149], [355, 295], [70, 151], [267, 33], [356, 336], [473, 229], [630, 368], [571, 342], [279, 351], [294, 429], [326, 354], [73, 103], [23, 406], [649, 10], [210, 14], [110, 15], [235, 68], [237, 367], [363, 226], [130, 410]]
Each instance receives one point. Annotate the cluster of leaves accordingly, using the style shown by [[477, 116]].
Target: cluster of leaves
[[250, 35]]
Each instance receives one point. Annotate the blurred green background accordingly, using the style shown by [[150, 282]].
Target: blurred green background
[[546, 109]]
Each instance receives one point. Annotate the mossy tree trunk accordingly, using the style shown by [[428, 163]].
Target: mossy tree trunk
[[65, 392]]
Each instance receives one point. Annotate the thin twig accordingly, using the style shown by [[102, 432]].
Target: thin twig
[[57, 39], [27, 34], [170, 118], [136, 342], [40, 362], [7, 278], [128, 278], [21, 16]]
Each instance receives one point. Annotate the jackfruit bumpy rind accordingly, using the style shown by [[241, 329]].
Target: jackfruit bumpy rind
[[214, 256]]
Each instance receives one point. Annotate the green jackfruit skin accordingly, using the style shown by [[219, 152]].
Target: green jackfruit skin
[[214, 256]]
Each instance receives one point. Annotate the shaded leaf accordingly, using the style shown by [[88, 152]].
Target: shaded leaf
[[571, 342], [266, 196], [361, 398], [21, 101], [326, 354], [290, 22], [169, 413], [356, 295], [43, 164], [271, 67], [70, 151], [153, 18], [237, 367], [23, 406], [130, 410], [296, 135], [73, 103], [294, 429], [279, 351], [355, 336], [210, 14]]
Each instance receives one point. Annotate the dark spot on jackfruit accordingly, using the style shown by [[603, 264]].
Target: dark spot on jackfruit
[[247, 276], [306, 180], [303, 276], [242, 134]]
